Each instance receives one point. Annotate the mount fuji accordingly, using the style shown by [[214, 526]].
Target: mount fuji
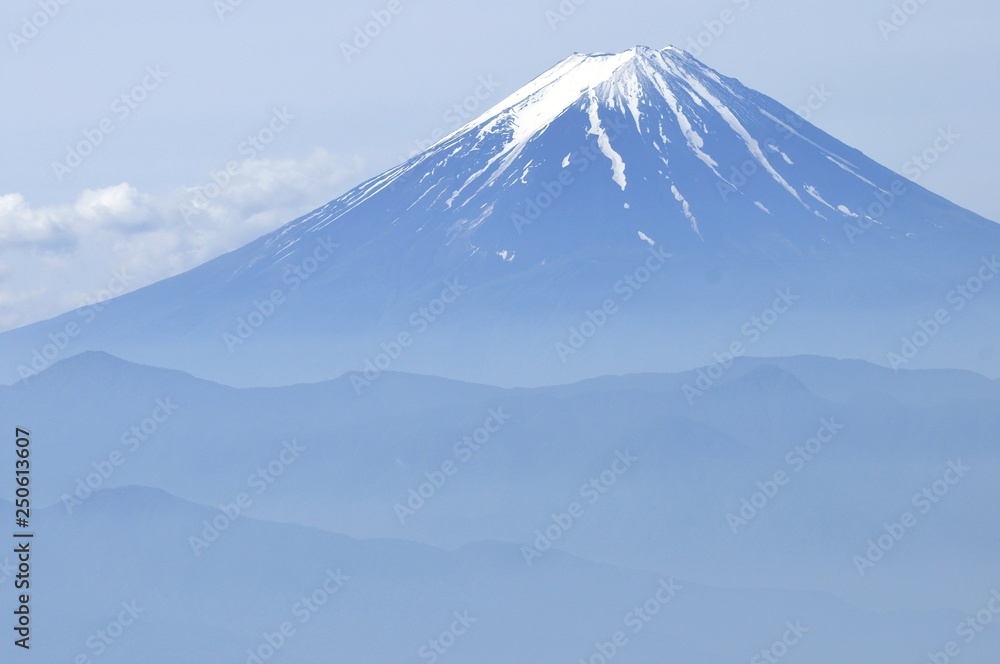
[[448, 486], [622, 212]]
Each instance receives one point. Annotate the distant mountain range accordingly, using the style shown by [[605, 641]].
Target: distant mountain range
[[441, 494]]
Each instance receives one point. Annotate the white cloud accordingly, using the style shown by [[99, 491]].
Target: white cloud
[[52, 259]]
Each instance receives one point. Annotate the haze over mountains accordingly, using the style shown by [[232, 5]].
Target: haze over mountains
[[322, 597], [642, 182], [273, 473], [362, 455]]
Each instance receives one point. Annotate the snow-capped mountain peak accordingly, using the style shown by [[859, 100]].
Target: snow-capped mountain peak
[[675, 138], [533, 107], [604, 167]]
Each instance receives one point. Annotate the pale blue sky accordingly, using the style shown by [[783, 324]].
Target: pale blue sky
[[224, 77]]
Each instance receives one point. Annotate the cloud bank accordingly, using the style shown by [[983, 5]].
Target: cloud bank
[[59, 257]]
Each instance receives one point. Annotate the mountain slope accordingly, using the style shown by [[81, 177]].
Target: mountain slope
[[643, 183]]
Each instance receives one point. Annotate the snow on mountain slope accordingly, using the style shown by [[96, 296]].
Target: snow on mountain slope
[[694, 130], [607, 168]]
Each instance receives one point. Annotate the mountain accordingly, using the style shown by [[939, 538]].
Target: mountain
[[621, 213], [494, 464], [433, 420], [122, 585]]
